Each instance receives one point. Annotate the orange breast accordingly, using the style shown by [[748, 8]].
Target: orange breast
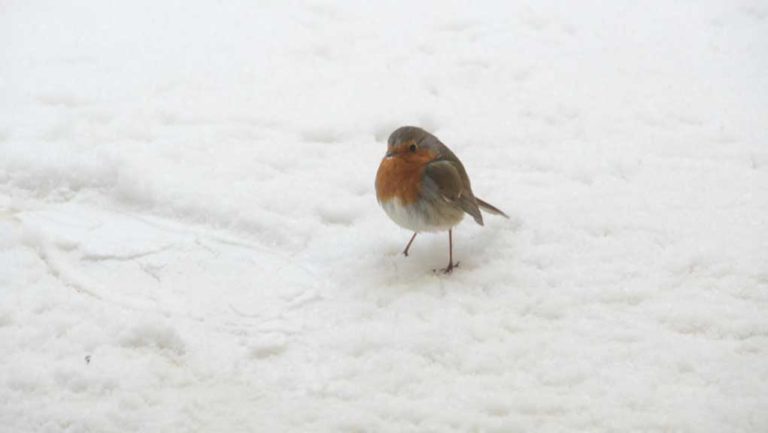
[[400, 177]]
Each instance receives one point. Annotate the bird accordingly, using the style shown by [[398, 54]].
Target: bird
[[423, 187]]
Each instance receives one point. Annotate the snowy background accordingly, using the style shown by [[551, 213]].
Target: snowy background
[[190, 240]]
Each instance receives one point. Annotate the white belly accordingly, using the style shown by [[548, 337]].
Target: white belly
[[419, 217]]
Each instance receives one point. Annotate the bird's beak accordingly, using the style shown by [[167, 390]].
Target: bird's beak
[[389, 154]]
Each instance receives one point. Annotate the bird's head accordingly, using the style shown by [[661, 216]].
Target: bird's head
[[412, 143]]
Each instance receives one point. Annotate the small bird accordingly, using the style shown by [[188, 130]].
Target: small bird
[[423, 186]]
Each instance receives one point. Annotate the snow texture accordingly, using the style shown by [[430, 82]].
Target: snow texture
[[190, 240]]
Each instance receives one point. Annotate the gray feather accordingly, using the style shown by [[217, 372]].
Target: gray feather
[[446, 176], [490, 208]]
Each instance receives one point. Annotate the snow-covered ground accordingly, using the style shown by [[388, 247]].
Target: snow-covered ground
[[190, 240]]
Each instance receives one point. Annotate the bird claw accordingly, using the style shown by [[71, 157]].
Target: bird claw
[[448, 269]]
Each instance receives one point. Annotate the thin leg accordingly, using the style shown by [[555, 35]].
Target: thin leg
[[409, 244], [451, 265]]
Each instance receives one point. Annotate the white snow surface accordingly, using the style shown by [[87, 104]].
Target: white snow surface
[[190, 239]]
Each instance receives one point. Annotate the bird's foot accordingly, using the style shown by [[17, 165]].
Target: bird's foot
[[447, 270]]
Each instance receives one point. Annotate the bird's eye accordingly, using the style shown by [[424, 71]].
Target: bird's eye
[[412, 148]]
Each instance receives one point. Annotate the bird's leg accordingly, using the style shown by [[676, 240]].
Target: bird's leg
[[451, 265], [405, 252]]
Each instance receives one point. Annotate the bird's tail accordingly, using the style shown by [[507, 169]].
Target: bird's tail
[[490, 208]]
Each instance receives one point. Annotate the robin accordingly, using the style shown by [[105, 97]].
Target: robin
[[423, 186]]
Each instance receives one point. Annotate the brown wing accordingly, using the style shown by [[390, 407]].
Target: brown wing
[[450, 183]]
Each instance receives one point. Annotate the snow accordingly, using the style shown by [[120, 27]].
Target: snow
[[190, 240]]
